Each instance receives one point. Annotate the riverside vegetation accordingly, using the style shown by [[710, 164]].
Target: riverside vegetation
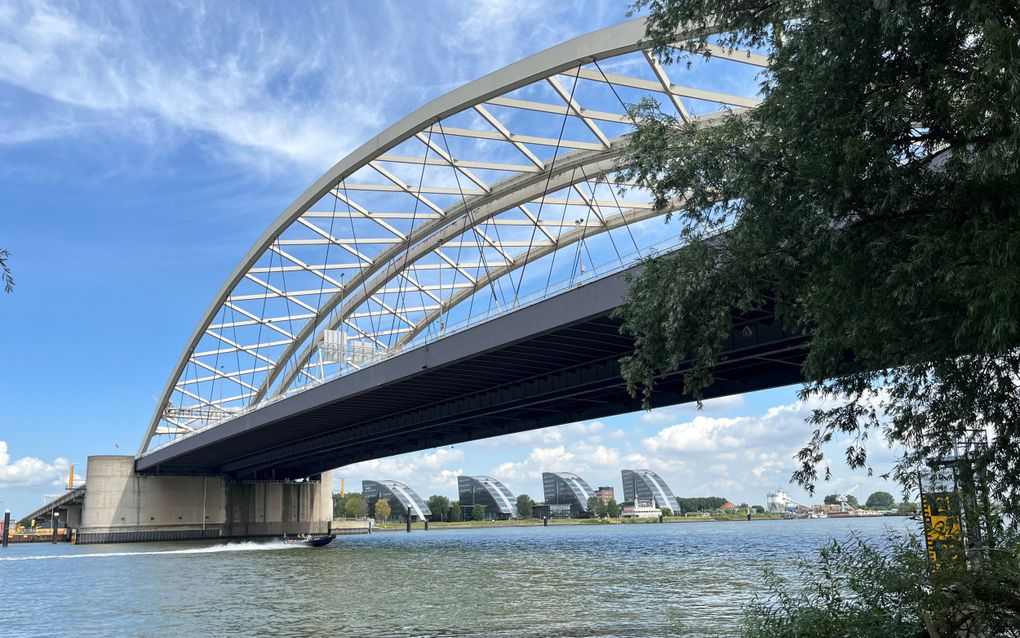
[[871, 203]]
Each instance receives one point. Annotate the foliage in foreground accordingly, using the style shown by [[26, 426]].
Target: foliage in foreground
[[858, 589], [870, 202], [5, 271]]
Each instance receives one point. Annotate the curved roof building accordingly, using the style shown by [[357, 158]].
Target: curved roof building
[[646, 484], [396, 491], [487, 491], [564, 488]]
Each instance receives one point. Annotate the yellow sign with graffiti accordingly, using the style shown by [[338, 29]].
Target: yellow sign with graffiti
[[943, 532]]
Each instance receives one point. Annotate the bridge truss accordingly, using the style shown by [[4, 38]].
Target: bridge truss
[[498, 193]]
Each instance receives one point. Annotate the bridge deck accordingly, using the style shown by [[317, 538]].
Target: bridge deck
[[547, 364]]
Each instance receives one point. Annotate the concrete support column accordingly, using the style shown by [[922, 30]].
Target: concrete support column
[[325, 500], [121, 505]]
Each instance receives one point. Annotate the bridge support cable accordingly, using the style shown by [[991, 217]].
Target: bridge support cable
[[483, 208], [677, 104], [552, 260], [631, 216], [545, 193], [322, 283], [506, 195], [594, 206], [418, 199], [464, 202]]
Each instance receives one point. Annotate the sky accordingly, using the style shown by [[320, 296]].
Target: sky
[[144, 147]]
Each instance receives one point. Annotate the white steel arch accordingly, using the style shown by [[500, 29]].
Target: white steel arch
[[484, 196]]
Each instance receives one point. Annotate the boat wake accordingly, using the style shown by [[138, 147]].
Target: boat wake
[[246, 546]]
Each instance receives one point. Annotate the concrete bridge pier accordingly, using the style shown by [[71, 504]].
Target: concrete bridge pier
[[121, 505]]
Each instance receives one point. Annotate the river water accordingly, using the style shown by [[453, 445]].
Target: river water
[[607, 580]]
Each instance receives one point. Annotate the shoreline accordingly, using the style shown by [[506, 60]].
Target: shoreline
[[537, 522]]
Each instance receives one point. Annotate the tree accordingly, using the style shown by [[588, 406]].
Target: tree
[[382, 510], [613, 509], [667, 511], [524, 505], [355, 506], [907, 509], [455, 511], [439, 506], [878, 174], [5, 271], [700, 504], [596, 506], [758, 509], [478, 512], [880, 501]]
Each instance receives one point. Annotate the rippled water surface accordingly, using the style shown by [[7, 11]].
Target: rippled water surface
[[611, 580]]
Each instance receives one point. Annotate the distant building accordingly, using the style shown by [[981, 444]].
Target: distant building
[[778, 501], [729, 506], [566, 489], [486, 491], [641, 508], [646, 484], [606, 494], [403, 500]]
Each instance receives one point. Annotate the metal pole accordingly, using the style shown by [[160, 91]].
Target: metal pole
[[56, 523], [545, 521], [426, 524], [409, 523], [7, 526]]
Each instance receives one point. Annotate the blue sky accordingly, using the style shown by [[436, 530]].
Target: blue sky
[[145, 146]]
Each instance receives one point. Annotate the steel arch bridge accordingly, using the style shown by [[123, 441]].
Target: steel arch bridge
[[483, 200]]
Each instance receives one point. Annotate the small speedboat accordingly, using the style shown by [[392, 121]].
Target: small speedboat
[[308, 540]]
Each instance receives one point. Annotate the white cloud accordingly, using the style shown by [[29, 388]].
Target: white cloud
[[280, 96], [271, 87], [703, 434], [671, 414], [29, 471]]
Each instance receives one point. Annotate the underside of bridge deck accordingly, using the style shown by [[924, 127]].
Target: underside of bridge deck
[[551, 363]]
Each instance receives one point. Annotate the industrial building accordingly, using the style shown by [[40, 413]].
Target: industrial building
[[566, 489], [499, 502], [647, 485], [403, 500]]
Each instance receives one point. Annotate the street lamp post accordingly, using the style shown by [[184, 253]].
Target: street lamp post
[[56, 521], [7, 527]]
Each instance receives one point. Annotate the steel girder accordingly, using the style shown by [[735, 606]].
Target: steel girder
[[479, 199]]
